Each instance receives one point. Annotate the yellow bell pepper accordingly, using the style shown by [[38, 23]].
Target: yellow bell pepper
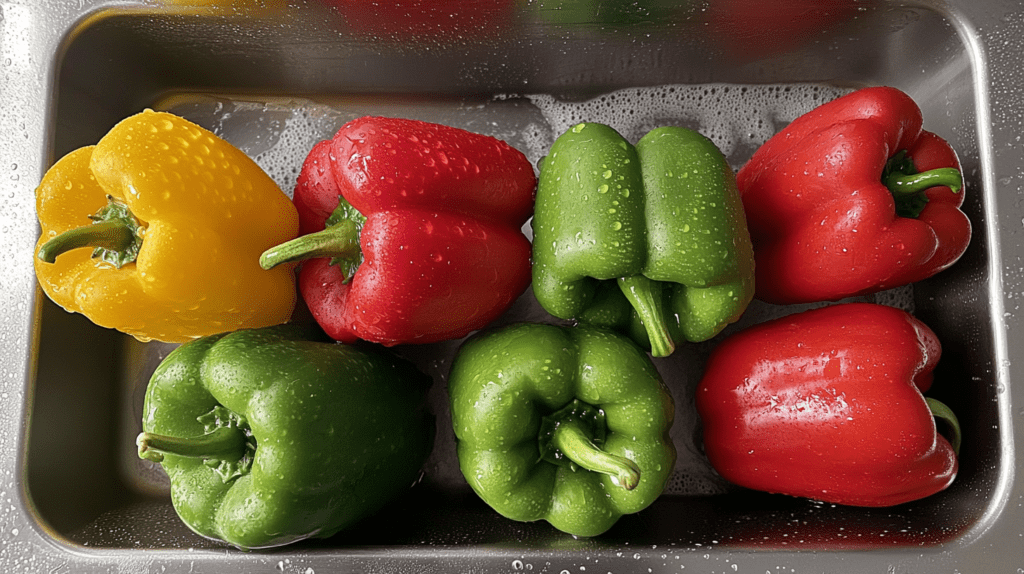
[[175, 220]]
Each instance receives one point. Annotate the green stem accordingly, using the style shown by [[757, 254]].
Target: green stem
[[645, 296], [340, 240], [945, 414], [571, 438], [224, 443], [909, 184], [113, 235]]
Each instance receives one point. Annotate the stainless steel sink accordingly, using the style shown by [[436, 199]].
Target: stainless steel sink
[[275, 76]]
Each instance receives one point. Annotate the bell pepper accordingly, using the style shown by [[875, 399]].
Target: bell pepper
[[853, 198], [274, 435], [174, 219], [827, 404], [661, 223], [414, 229], [568, 425]]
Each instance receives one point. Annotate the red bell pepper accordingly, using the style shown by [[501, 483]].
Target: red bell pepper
[[415, 230], [853, 198], [827, 404]]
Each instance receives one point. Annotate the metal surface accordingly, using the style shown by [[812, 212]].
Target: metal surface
[[273, 77]]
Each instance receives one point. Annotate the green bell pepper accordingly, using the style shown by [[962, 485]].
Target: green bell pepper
[[652, 235], [270, 436], [563, 424]]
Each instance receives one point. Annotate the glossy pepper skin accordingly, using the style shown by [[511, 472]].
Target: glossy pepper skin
[[157, 231], [568, 425], [853, 198], [662, 220], [827, 404], [415, 229], [274, 435]]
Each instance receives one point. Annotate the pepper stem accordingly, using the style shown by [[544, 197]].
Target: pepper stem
[[645, 297], [908, 184], [945, 414], [113, 235], [340, 240], [116, 236], [223, 443], [571, 438]]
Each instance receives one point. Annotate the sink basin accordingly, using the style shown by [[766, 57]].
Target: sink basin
[[275, 77]]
